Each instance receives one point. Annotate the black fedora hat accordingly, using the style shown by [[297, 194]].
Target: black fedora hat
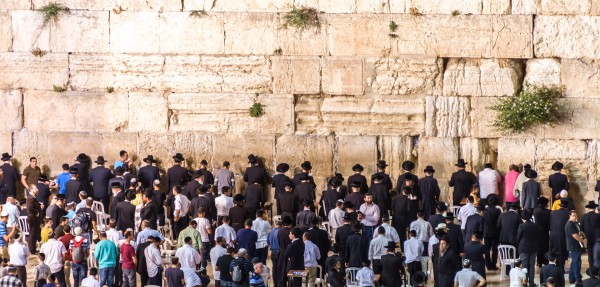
[[6, 156], [335, 182], [557, 166], [461, 163], [382, 164], [252, 158], [358, 167], [429, 169], [73, 170], [81, 157], [543, 201], [377, 176], [391, 244], [100, 160], [339, 176], [481, 206], [419, 277], [115, 184], [283, 167], [564, 202], [408, 165], [551, 255], [355, 184], [348, 204], [525, 214], [288, 183], [591, 204], [43, 178], [306, 165], [530, 173], [149, 158], [178, 157], [441, 206], [286, 221], [450, 215]]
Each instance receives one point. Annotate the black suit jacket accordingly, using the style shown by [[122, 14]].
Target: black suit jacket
[[254, 172], [357, 250], [73, 187], [320, 238], [448, 263], [335, 278], [474, 223], [391, 271], [254, 196], [558, 182], [311, 180], [200, 201], [99, 177], [142, 268], [328, 200], [147, 174], [362, 179], [341, 237], [176, 175], [150, 212], [542, 218], [120, 197], [436, 219], [462, 181], [551, 270], [237, 215], [590, 222], [356, 198], [108, 193], [490, 222], [278, 183], [528, 237], [381, 197], [385, 181], [508, 225], [294, 253], [402, 178], [10, 178], [190, 190], [456, 238], [125, 216]]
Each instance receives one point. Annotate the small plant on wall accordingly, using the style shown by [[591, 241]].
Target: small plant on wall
[[256, 110], [52, 11], [302, 19], [534, 105]]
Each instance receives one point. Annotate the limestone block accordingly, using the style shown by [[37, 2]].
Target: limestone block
[[342, 76], [478, 152], [311, 41], [446, 6], [482, 77], [525, 7], [251, 33], [16, 5], [6, 141], [373, 6], [561, 149], [182, 33], [195, 147], [81, 31], [273, 6], [208, 74], [148, 112], [121, 71], [226, 113], [346, 115], [307, 3], [398, 6], [360, 34], [28, 144], [338, 6], [447, 116], [543, 72], [564, 7], [24, 70], [134, 32], [295, 149], [482, 118], [579, 122], [12, 115], [300, 75], [65, 146], [441, 153], [153, 5], [222, 6], [29, 31], [595, 7], [395, 150], [515, 151], [72, 4], [113, 143], [580, 77], [160, 145], [403, 76], [567, 37], [356, 149], [235, 148], [5, 31], [75, 111], [496, 7]]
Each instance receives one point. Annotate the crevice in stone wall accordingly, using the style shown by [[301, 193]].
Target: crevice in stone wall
[[379, 148], [182, 5], [336, 158], [523, 70]]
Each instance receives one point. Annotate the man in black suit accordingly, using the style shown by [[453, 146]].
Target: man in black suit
[[474, 223], [407, 166], [439, 217], [430, 190], [118, 195], [474, 251], [447, 263], [149, 210], [590, 223], [381, 196], [83, 164], [192, 188], [305, 173], [141, 267], [73, 186], [254, 196], [455, 236], [202, 200], [320, 238], [381, 165], [541, 216], [177, 174], [294, 255], [105, 196], [357, 247], [508, 226], [99, 177], [125, 213], [209, 178], [528, 241], [255, 171], [462, 181], [278, 182], [392, 268], [400, 214], [330, 197], [355, 196], [147, 174], [283, 238], [558, 181], [342, 234], [558, 239], [10, 176], [305, 217], [552, 270], [357, 176]]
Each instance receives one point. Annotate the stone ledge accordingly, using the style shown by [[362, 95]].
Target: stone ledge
[[24, 70]]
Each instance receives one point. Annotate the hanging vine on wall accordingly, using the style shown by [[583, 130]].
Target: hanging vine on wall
[[534, 105]]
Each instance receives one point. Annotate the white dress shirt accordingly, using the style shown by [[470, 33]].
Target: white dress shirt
[[335, 217], [488, 182], [182, 203], [371, 212], [262, 228], [390, 233], [54, 251], [114, 236], [413, 248], [153, 259], [432, 241], [202, 226], [423, 229], [226, 232], [18, 254], [464, 212], [215, 253], [188, 256], [377, 247], [223, 203]]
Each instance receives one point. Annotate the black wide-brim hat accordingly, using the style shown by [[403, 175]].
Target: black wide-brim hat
[[283, 167], [149, 158], [461, 163], [178, 157], [408, 165], [358, 167], [251, 158], [591, 204], [100, 160], [6, 156], [557, 166], [335, 182], [382, 164], [306, 165], [391, 244], [429, 169]]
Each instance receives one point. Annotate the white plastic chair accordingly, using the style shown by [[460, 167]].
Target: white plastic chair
[[97, 206], [327, 227], [455, 209], [351, 277], [102, 220], [23, 225], [320, 276], [508, 256]]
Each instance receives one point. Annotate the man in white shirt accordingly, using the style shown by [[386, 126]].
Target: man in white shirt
[[489, 180], [466, 211], [424, 232], [227, 232], [55, 254], [13, 213], [18, 254], [112, 233], [467, 277], [262, 228], [180, 210], [223, 203], [154, 262], [390, 232], [311, 255], [219, 250], [335, 217], [91, 280], [371, 216], [205, 229], [188, 256], [413, 248], [377, 249]]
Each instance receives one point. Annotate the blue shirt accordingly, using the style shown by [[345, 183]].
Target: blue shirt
[[143, 235], [61, 180], [311, 254], [118, 163], [70, 214], [2, 233], [272, 239], [246, 238]]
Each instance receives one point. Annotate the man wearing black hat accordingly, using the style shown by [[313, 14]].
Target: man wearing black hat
[[125, 213], [10, 176], [294, 255], [43, 193], [474, 251], [287, 201], [381, 195], [558, 243], [446, 263], [357, 176], [254, 196], [149, 209], [455, 237], [177, 174], [439, 216], [407, 166], [238, 214], [541, 215], [474, 222], [531, 191], [148, 173], [283, 239], [558, 181], [209, 179], [305, 217], [528, 244], [355, 196], [357, 247], [204, 200], [113, 182], [508, 225], [342, 234], [73, 186], [392, 269], [99, 176], [330, 197], [278, 182], [83, 163], [305, 167], [381, 165], [304, 190], [552, 270], [590, 223], [191, 188], [400, 213], [255, 171], [430, 191], [462, 181], [320, 238]]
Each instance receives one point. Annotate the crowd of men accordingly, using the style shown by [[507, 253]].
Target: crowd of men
[[376, 232]]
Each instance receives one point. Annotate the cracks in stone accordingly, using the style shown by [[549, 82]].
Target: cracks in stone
[[336, 155], [182, 5]]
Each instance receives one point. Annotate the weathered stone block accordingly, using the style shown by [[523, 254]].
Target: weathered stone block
[[134, 32], [467, 77], [81, 31], [567, 37], [75, 111], [395, 150], [182, 33], [295, 149], [373, 6], [403, 76], [496, 7], [120, 71], [447, 116], [24, 70], [357, 149], [564, 7], [72, 4], [16, 5], [580, 77], [579, 122], [299, 75], [311, 41], [207, 74], [359, 34], [543, 72], [160, 145], [226, 113], [154, 5], [235, 148], [515, 151], [595, 7], [63, 147], [148, 112], [5, 31], [251, 33], [307, 3], [561, 149], [338, 6], [29, 31], [6, 141], [29, 143], [12, 115], [441, 153], [346, 115], [482, 118], [446, 6], [273, 6], [113, 143], [195, 147], [342, 76], [524, 7]]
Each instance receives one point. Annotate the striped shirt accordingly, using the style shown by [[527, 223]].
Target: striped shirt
[[2, 233], [10, 281]]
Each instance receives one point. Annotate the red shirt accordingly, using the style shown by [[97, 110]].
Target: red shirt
[[66, 239], [127, 254]]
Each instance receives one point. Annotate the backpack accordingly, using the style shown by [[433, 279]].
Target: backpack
[[236, 275], [78, 251], [82, 220]]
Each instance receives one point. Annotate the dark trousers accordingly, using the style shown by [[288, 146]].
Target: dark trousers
[[60, 275], [274, 259], [491, 245], [528, 262], [261, 253], [144, 278], [34, 232], [205, 252], [412, 268], [180, 225], [161, 219], [22, 274], [105, 202], [377, 267], [156, 280]]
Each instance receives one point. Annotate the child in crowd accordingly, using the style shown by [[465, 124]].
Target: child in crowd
[[518, 275], [46, 229], [174, 274], [365, 276], [91, 280], [52, 281], [41, 272]]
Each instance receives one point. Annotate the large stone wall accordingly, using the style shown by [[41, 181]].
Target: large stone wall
[[345, 93]]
